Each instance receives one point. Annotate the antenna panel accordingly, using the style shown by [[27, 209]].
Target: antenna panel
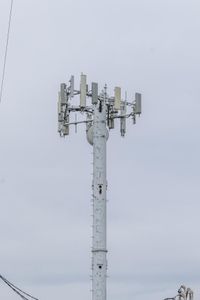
[[83, 90], [72, 86], [94, 93], [117, 103], [59, 104], [63, 93], [66, 126], [60, 116], [138, 103], [123, 119], [60, 109]]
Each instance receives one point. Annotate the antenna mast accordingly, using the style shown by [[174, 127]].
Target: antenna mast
[[100, 118]]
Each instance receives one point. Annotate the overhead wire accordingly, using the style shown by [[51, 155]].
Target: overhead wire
[[17, 290], [6, 50]]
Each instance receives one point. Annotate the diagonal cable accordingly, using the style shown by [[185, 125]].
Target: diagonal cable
[[17, 290], [6, 50]]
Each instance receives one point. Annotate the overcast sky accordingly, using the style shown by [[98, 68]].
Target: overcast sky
[[148, 46]]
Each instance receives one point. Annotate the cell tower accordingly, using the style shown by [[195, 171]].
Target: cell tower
[[100, 116]]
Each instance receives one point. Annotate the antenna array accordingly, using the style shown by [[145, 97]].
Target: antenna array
[[116, 107]]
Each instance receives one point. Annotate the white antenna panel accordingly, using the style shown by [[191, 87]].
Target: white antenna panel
[[63, 94], [59, 106], [72, 86], [59, 97], [60, 109], [83, 90], [61, 118], [94, 93], [117, 103], [66, 126], [123, 119], [138, 103]]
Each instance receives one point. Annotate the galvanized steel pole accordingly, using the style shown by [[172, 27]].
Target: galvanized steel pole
[[99, 245]]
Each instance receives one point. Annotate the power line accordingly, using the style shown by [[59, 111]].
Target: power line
[[6, 50], [17, 290]]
